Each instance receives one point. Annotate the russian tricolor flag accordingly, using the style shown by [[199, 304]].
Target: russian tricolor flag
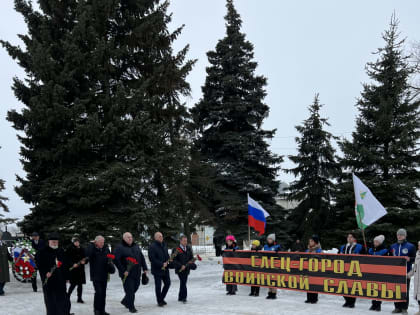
[[256, 216]]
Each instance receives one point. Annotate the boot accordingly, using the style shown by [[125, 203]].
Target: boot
[[269, 296], [257, 291], [274, 295]]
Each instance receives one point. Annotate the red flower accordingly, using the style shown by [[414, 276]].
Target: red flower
[[59, 264], [110, 256], [199, 258], [132, 260], [179, 250]]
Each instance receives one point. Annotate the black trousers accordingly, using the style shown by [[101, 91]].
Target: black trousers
[[56, 300], [404, 305], [218, 250], [255, 290], [350, 300], [131, 286], [79, 290], [100, 296], [183, 278], [2, 284], [33, 282], [312, 297], [231, 288], [159, 291]]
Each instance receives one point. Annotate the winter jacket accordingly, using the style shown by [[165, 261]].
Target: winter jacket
[[38, 245], [274, 247], [315, 249], [99, 263], [378, 251], [124, 251], [298, 247], [74, 255], [404, 249], [4, 263], [416, 276], [258, 248], [46, 259], [182, 259], [231, 247], [158, 255], [354, 248]]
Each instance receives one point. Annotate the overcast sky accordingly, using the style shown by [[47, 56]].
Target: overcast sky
[[302, 47]]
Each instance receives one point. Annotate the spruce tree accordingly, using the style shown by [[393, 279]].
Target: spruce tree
[[101, 114], [383, 150], [316, 168], [231, 139]]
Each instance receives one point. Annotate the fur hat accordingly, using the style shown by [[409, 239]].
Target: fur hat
[[402, 232], [380, 239], [230, 238], [272, 236], [256, 243]]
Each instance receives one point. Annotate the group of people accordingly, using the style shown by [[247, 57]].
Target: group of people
[[57, 267], [401, 248]]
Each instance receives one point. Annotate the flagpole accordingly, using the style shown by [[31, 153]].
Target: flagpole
[[364, 238], [249, 229]]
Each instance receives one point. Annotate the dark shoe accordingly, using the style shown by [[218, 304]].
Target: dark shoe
[[97, 313], [251, 294], [106, 313], [274, 296], [346, 305], [372, 308], [1, 293], [314, 302], [132, 310], [351, 306], [122, 302], [80, 301], [307, 301], [160, 304], [269, 296], [164, 303], [378, 308]]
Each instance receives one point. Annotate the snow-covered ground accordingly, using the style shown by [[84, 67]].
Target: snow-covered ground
[[206, 295]]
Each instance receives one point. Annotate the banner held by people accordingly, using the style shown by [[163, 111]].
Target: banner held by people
[[371, 277]]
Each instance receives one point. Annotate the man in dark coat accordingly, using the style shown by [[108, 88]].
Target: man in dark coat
[[159, 259], [100, 267], [130, 272], [52, 265], [76, 257], [4, 264], [183, 262], [37, 244]]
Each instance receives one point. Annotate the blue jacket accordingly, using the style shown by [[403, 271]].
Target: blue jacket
[[353, 249], [318, 250], [273, 248], [404, 249], [378, 251]]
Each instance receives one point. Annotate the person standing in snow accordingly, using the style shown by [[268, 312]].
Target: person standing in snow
[[415, 272], [314, 247], [130, 263], [407, 250], [77, 257], [183, 263], [378, 249], [273, 247], [37, 244], [53, 269], [100, 266], [4, 264], [231, 245], [160, 262], [255, 290], [352, 247]]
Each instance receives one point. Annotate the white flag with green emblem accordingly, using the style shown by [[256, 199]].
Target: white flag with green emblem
[[368, 208]]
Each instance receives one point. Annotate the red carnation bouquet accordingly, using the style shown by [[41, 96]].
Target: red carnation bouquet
[[131, 262], [57, 265]]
